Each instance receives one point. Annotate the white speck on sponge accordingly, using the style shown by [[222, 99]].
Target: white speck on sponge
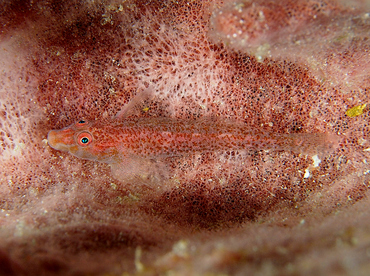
[[306, 173], [316, 161]]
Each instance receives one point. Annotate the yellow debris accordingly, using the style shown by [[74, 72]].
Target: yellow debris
[[356, 110]]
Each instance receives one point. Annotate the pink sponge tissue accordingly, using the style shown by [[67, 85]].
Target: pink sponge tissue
[[184, 137]]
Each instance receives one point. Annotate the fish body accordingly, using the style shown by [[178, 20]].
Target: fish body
[[111, 142]]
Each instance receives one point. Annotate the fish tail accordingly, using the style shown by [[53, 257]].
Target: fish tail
[[311, 143]]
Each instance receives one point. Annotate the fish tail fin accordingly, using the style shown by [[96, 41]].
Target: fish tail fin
[[321, 144]]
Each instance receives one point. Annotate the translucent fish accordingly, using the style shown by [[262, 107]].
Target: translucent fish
[[134, 144]]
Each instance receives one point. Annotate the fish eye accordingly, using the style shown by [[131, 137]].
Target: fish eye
[[81, 122], [84, 139]]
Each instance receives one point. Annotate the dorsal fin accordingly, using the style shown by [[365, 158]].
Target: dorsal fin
[[136, 104]]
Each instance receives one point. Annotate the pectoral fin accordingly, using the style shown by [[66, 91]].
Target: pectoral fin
[[142, 172]]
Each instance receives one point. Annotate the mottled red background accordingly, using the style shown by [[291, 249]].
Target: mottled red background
[[278, 66]]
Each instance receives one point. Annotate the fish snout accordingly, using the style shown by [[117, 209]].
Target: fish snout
[[60, 140]]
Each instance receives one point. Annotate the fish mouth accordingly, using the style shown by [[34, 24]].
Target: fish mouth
[[60, 141]]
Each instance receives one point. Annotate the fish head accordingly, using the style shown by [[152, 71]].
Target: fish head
[[81, 139]]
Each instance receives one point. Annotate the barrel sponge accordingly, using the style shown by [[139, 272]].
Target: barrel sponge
[[71, 60]]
